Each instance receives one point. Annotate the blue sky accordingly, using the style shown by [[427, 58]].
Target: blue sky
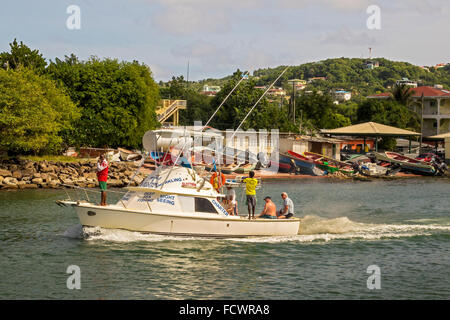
[[217, 36]]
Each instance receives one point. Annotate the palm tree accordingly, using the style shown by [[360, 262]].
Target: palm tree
[[402, 94]]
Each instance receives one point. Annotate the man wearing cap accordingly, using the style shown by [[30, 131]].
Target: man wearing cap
[[270, 210], [288, 207]]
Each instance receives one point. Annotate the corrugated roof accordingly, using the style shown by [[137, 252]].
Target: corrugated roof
[[370, 129], [417, 93], [429, 92]]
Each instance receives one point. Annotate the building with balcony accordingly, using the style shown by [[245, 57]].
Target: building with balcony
[[436, 108]]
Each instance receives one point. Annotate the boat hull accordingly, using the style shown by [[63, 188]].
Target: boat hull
[[306, 167], [245, 169], [114, 217], [418, 168]]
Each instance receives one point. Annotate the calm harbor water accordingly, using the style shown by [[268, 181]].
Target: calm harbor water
[[403, 227]]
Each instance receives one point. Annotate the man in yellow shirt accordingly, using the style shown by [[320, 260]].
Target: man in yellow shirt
[[250, 191]]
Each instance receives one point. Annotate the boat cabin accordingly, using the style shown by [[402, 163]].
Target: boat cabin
[[174, 190]]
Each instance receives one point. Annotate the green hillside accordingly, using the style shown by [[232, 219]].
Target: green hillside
[[353, 75], [348, 73]]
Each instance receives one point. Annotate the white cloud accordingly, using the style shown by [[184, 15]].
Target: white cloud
[[348, 37]]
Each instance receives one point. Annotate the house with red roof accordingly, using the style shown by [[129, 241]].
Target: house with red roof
[[436, 107]]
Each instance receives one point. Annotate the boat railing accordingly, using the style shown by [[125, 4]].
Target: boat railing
[[82, 194]]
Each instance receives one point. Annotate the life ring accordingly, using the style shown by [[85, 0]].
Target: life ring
[[217, 180]]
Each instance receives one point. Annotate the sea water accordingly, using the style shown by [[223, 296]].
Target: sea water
[[402, 227]]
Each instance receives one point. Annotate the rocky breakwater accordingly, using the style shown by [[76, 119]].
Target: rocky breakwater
[[25, 174]]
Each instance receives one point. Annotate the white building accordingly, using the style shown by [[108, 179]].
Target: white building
[[342, 95], [407, 82], [436, 108]]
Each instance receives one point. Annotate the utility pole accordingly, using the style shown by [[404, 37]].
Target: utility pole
[[187, 75], [293, 99], [421, 125], [301, 120]]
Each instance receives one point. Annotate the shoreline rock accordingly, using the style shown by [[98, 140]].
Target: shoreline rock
[[26, 174]]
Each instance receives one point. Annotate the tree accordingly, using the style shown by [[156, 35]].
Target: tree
[[264, 116], [198, 105], [34, 113], [21, 55], [402, 94], [388, 112], [320, 110], [118, 100], [175, 89]]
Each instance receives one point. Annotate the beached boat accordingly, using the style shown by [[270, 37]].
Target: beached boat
[[246, 168], [329, 164], [370, 169], [177, 201], [127, 155], [306, 165], [406, 163], [226, 169], [283, 167]]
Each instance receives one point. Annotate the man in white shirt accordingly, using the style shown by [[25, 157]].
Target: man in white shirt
[[231, 199], [288, 207]]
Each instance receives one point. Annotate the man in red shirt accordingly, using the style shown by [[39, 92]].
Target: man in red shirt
[[102, 176]]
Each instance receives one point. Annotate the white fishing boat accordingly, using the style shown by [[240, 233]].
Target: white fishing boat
[[177, 201]]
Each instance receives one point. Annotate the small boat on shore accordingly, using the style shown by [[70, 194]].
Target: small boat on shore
[[370, 169], [329, 164], [127, 155], [406, 163], [246, 168], [306, 165], [226, 169], [177, 201]]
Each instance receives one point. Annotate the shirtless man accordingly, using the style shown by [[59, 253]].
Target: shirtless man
[[270, 210]]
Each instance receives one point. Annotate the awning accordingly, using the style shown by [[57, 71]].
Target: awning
[[371, 129], [438, 137]]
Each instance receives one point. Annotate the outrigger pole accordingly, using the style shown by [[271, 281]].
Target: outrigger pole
[[267, 90], [203, 128]]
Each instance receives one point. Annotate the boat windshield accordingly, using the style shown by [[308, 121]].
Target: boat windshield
[[204, 205]]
